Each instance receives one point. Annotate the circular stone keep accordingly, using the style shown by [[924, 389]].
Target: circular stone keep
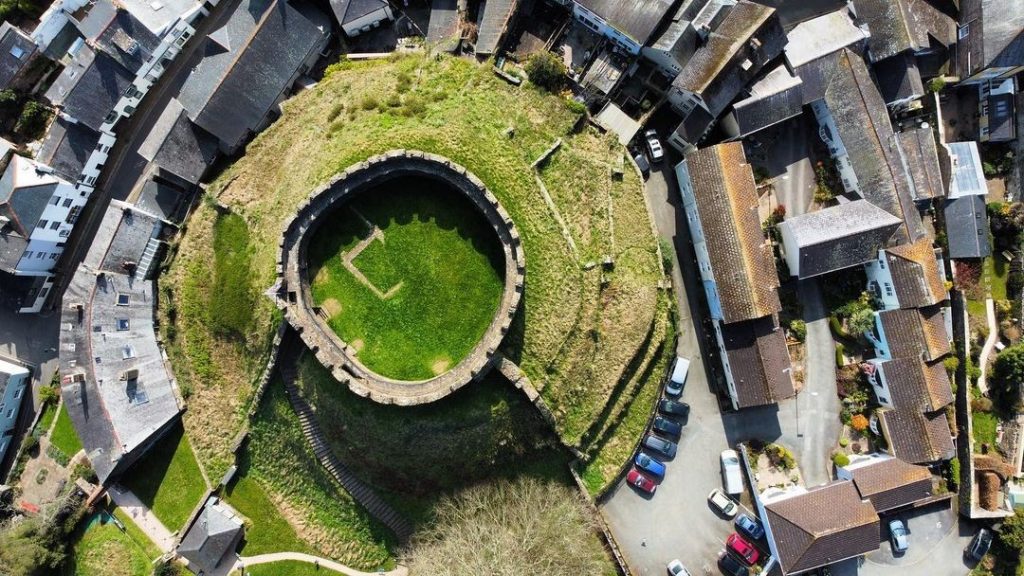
[[402, 274]]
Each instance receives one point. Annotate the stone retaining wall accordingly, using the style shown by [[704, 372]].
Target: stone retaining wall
[[293, 291]]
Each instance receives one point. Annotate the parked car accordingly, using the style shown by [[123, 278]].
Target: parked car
[[675, 382], [898, 536], [742, 548], [731, 566], [641, 482], [980, 544], [667, 427], [674, 408], [649, 465], [660, 445], [749, 527], [641, 162], [676, 568], [732, 478], [654, 146], [727, 506]]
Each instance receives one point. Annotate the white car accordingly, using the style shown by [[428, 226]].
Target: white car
[[732, 477], [676, 568], [680, 368], [727, 506], [654, 149]]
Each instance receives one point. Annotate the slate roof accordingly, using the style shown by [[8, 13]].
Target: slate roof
[[838, 237], [1001, 118], [891, 483], [921, 154], [994, 36], [821, 36], [967, 227], [778, 96], [347, 11], [918, 438], [915, 274], [178, 146], [90, 86], [214, 534], [119, 34], [24, 193], [247, 64], [825, 525], [741, 258], [759, 361], [493, 20], [899, 79], [903, 25], [917, 385], [915, 333], [679, 37], [66, 148], [12, 41], [638, 19], [862, 122]]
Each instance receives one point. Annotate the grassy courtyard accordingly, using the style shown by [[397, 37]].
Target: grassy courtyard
[[101, 549], [64, 437], [431, 280], [168, 480]]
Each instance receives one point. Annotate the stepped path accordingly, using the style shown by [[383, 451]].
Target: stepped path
[[362, 493]]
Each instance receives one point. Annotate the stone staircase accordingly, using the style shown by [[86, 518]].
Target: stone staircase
[[362, 493]]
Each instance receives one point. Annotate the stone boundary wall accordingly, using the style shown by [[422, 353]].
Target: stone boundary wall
[[293, 294]]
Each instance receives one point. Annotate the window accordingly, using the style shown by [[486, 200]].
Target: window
[[55, 200], [128, 352], [43, 224], [54, 255], [124, 299], [17, 52], [123, 324], [67, 202], [73, 214], [65, 233], [963, 31], [28, 254], [10, 412], [54, 225], [40, 255], [17, 393]]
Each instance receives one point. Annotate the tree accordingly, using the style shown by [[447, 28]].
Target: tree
[[1007, 375], [546, 70], [509, 528], [861, 321], [32, 120]]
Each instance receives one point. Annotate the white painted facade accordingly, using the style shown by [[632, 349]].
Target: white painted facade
[[874, 369], [11, 397], [600, 26], [829, 134], [880, 282]]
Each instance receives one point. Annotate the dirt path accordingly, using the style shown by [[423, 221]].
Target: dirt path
[[143, 517], [321, 562], [990, 342]]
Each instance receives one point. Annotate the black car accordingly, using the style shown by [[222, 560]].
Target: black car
[[660, 445], [667, 427], [731, 566], [674, 408], [641, 162], [980, 544]]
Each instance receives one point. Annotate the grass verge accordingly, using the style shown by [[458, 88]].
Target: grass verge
[[286, 568], [46, 420], [167, 479], [984, 427], [64, 437], [266, 531]]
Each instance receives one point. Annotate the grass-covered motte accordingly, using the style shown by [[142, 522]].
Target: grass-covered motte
[[168, 480], [431, 276], [583, 332]]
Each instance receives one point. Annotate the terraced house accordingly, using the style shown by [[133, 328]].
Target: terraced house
[[737, 269]]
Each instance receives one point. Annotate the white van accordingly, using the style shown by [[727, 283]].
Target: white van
[[680, 368]]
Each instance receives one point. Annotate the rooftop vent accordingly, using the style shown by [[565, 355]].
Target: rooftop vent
[[128, 375]]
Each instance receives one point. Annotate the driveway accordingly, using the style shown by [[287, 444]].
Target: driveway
[[783, 150]]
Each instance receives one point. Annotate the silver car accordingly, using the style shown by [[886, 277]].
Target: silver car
[[898, 536]]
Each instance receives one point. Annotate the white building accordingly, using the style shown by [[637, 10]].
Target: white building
[[13, 384], [907, 276]]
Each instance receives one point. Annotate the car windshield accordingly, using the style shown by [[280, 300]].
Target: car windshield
[[731, 461]]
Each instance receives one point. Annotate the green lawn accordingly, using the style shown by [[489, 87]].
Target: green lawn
[[168, 479], [287, 568], [268, 531], [101, 549], [984, 428], [280, 460], [440, 256], [996, 270], [231, 308], [49, 413], [64, 437]]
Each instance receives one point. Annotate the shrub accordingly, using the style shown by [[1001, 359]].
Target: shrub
[[48, 394], [393, 101], [368, 103], [1007, 375], [30, 443], [8, 100], [951, 363], [32, 120], [546, 70], [337, 109], [936, 84], [981, 404], [414, 106], [840, 459], [840, 355], [844, 442], [859, 422], [799, 329], [861, 322], [575, 106]]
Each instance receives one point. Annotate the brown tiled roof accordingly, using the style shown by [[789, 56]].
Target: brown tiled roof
[[827, 524], [915, 333], [741, 258], [917, 385], [918, 438], [922, 156], [759, 361], [915, 274], [892, 483]]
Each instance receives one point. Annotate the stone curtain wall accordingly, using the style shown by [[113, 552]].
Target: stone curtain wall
[[294, 298]]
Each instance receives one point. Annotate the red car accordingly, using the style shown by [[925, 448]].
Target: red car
[[744, 549], [640, 481]]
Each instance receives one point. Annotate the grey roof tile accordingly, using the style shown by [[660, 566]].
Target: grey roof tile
[[967, 227]]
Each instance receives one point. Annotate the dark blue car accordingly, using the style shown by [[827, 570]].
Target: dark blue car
[[749, 527], [649, 465]]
